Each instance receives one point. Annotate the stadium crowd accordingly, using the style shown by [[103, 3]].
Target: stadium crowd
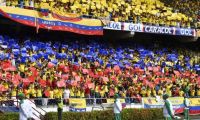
[[189, 8], [95, 69], [153, 12]]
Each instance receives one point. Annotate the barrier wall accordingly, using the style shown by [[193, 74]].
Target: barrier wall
[[87, 104], [150, 29]]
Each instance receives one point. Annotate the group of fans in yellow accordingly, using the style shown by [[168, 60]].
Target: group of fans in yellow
[[153, 12], [93, 69], [136, 65]]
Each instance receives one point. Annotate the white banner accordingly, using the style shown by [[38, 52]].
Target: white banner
[[133, 27], [113, 26]]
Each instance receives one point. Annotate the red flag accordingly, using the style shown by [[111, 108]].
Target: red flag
[[105, 79], [31, 78], [65, 76], [116, 68], [77, 78], [8, 76], [50, 65], [85, 71], [74, 74], [151, 85], [150, 68], [58, 75], [168, 80], [74, 83], [16, 79], [155, 69], [2, 88], [96, 64], [75, 67], [187, 73], [127, 67], [111, 92], [15, 82], [10, 68], [141, 71], [145, 82], [61, 66], [177, 73], [100, 73], [66, 69], [90, 85], [61, 83], [46, 93], [6, 64], [91, 74], [26, 81], [113, 78], [42, 83], [32, 69], [157, 80], [158, 73]]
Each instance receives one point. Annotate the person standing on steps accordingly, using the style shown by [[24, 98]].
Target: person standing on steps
[[25, 109], [168, 112], [117, 107]]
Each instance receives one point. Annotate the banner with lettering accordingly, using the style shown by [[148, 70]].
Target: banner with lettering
[[34, 18], [113, 100], [113, 26], [77, 105], [151, 29], [194, 106], [177, 102]]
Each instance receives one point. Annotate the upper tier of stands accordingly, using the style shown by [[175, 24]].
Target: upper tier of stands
[[137, 11], [188, 7]]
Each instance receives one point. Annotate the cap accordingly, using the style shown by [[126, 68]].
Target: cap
[[21, 95], [165, 96]]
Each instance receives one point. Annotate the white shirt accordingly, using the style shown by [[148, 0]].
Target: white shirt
[[66, 93], [165, 112], [117, 106], [13, 62], [25, 110], [31, 3], [187, 102], [33, 111]]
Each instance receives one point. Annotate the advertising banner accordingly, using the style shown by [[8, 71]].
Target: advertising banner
[[151, 29], [194, 106], [177, 102], [113, 100], [133, 27], [185, 32], [77, 105], [159, 30], [113, 26]]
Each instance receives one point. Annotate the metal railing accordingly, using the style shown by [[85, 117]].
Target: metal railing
[[14, 102], [39, 102]]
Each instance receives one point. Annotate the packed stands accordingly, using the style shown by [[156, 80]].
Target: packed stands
[[92, 68], [153, 12], [187, 7]]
